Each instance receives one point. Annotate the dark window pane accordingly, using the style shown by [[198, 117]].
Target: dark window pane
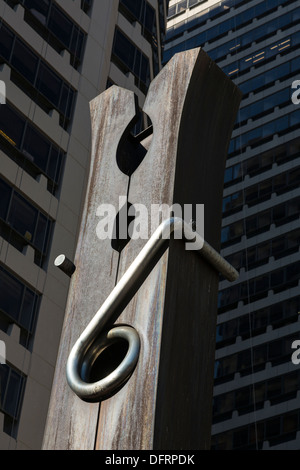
[[240, 437], [273, 387], [290, 423], [76, 45], [28, 310], [66, 100], [259, 392], [291, 382], [39, 8], [277, 278], [11, 125], [4, 373], [60, 25], [5, 194], [36, 148], [273, 428], [275, 349], [6, 41], [49, 84], [124, 49], [149, 18], [14, 390], [22, 217], [54, 165], [42, 232], [260, 354], [243, 397], [11, 294], [24, 61]]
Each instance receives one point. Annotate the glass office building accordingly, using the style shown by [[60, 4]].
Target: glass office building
[[55, 57], [257, 386]]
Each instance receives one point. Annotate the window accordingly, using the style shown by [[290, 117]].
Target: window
[[12, 385], [257, 288], [11, 125], [18, 303], [53, 25], [36, 78], [129, 58], [144, 13], [276, 352], [24, 61], [24, 224], [21, 141], [260, 222], [276, 390], [86, 5]]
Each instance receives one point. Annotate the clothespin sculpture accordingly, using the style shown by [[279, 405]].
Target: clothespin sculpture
[[136, 361]]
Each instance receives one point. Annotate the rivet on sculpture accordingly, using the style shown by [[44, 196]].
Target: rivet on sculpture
[[138, 341]]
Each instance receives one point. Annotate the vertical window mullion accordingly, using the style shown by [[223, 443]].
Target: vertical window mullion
[[24, 134], [35, 229], [6, 388], [9, 205], [21, 305], [12, 49]]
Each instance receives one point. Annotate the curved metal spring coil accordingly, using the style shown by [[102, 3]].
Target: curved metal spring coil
[[93, 341]]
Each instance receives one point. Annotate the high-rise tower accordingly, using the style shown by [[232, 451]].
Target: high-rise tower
[[256, 397], [55, 57]]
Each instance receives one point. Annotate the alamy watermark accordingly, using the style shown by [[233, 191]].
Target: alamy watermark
[[296, 94], [296, 355], [2, 92], [135, 221], [2, 353]]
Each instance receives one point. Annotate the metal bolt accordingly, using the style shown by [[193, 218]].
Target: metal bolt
[[65, 265]]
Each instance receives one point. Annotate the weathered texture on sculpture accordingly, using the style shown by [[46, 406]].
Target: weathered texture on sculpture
[[166, 404]]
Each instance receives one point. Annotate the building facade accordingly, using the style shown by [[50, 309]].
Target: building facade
[[256, 392], [55, 57]]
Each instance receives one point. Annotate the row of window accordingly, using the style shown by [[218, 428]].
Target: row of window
[[216, 32], [18, 304], [268, 77], [145, 14], [252, 397], [263, 107], [262, 162], [262, 191], [256, 323], [31, 149], [12, 385], [264, 133], [262, 56], [259, 254], [54, 26], [22, 224], [257, 288], [258, 34], [130, 59], [251, 437], [182, 6], [261, 222], [200, 18], [252, 360], [35, 77]]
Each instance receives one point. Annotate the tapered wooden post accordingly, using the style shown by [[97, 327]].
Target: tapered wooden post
[[167, 401]]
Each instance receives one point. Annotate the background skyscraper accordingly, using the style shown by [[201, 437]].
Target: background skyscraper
[[256, 393], [55, 56]]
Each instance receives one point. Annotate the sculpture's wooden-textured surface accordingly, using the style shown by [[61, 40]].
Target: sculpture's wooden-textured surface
[[167, 402]]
